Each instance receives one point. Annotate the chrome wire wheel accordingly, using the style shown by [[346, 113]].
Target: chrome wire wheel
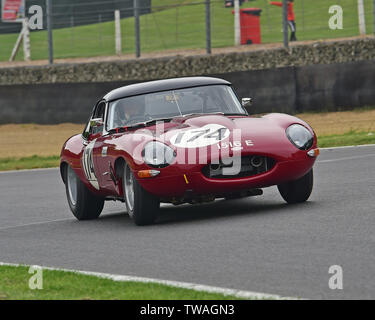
[[72, 186], [129, 190]]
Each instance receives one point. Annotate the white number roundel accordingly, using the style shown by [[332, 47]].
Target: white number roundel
[[200, 137]]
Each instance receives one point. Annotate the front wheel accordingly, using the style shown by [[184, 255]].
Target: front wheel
[[142, 206], [299, 190], [82, 202]]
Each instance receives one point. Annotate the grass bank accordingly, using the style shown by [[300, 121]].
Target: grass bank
[[33, 162]]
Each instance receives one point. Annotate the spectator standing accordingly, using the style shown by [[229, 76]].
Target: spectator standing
[[291, 17]]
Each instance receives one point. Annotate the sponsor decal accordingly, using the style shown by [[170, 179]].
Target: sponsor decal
[[88, 164], [235, 145], [207, 135]]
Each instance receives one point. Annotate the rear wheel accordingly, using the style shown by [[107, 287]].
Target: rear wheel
[[298, 190], [142, 206], [82, 202]]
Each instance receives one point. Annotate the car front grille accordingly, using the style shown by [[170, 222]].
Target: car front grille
[[245, 166]]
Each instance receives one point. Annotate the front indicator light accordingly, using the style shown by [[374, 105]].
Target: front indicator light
[[314, 153], [148, 173]]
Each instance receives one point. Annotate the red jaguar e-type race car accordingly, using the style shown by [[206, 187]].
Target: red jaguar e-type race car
[[184, 140]]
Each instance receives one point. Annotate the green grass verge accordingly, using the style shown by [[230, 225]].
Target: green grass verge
[[32, 162], [337, 140], [183, 27], [348, 139], [14, 284]]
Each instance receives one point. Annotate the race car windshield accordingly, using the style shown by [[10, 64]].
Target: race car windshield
[[169, 104]]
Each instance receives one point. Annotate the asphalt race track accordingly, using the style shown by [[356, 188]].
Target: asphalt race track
[[257, 244]]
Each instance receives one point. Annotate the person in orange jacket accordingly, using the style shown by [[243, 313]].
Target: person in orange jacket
[[291, 21]]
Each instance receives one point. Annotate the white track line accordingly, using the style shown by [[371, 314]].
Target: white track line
[[177, 284], [347, 158], [347, 147], [34, 223], [29, 170]]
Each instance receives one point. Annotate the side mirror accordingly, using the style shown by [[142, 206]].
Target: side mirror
[[95, 123], [247, 102], [96, 127]]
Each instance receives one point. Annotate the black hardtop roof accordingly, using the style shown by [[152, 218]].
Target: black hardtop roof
[[162, 85]]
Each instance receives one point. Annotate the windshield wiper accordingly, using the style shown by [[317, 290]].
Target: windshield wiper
[[200, 114], [235, 114], [138, 125], [152, 121], [212, 113]]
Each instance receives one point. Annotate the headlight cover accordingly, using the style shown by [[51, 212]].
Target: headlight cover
[[300, 136], [158, 155]]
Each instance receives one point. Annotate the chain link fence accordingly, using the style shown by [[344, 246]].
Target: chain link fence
[[175, 26]]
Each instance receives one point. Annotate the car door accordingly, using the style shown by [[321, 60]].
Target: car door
[[90, 136], [94, 150]]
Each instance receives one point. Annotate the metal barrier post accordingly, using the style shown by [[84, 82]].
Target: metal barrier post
[[361, 18], [137, 29], [49, 27], [237, 27], [118, 32], [208, 27]]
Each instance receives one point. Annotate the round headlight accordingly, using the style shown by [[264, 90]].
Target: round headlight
[[300, 136], [158, 155]]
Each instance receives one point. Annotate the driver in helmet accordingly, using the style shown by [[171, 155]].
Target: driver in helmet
[[129, 112]]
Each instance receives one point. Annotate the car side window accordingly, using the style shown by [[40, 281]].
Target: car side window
[[86, 131], [99, 114], [99, 111]]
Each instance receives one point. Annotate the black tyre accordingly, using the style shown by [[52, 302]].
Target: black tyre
[[142, 206], [82, 202], [298, 190]]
